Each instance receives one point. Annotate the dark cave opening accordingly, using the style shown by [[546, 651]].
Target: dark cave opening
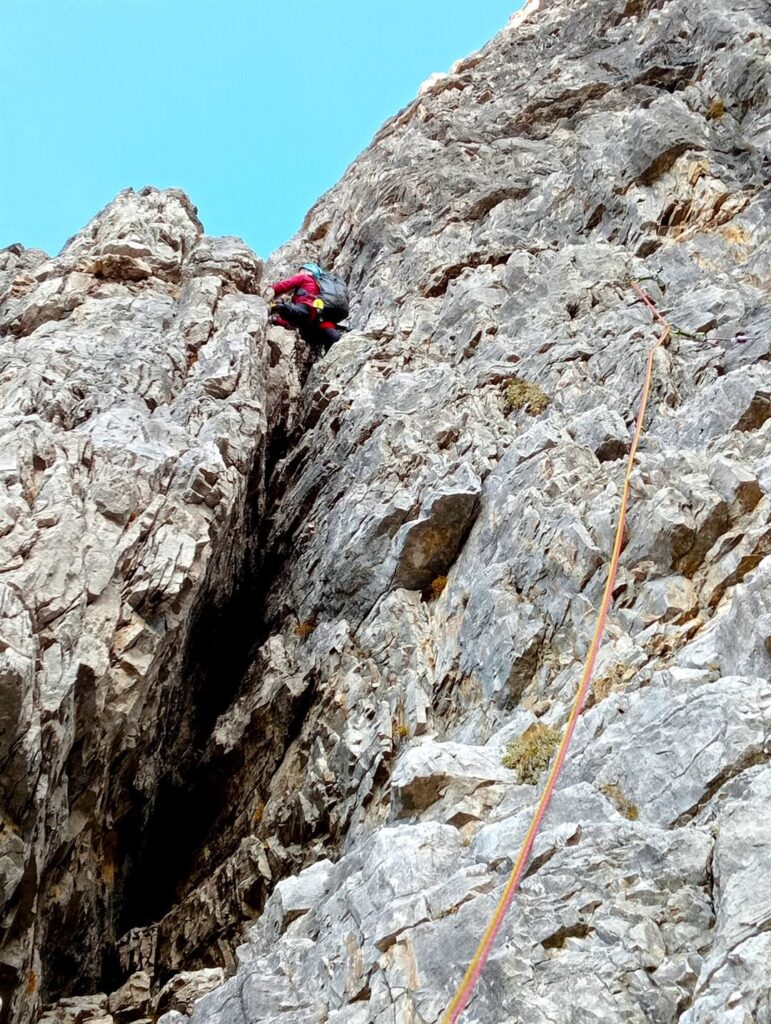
[[161, 853]]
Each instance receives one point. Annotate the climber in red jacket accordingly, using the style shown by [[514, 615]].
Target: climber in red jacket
[[301, 311]]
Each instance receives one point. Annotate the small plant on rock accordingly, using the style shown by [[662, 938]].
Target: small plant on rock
[[303, 629], [520, 393], [399, 729], [616, 796], [529, 755], [447, 913], [715, 110], [257, 813], [435, 588]]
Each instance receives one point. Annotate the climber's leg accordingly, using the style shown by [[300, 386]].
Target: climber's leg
[[291, 314], [327, 335]]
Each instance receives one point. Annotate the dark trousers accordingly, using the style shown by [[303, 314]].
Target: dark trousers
[[306, 320]]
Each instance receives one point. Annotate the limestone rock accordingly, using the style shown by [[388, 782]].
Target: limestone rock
[[182, 992], [110, 552], [602, 430], [450, 771], [131, 1000], [269, 621], [429, 545]]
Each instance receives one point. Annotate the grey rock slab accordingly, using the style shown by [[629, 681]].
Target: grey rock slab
[[131, 999], [741, 948], [430, 771], [740, 401], [296, 895], [676, 748], [181, 992], [602, 430], [736, 639]]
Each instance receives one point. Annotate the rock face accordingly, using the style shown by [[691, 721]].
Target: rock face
[[141, 405], [270, 631]]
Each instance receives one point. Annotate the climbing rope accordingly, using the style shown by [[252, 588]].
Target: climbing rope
[[740, 338], [470, 979]]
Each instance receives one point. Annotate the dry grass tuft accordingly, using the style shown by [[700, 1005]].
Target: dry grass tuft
[[715, 110], [435, 588], [303, 629], [257, 813], [529, 756], [524, 394], [735, 235]]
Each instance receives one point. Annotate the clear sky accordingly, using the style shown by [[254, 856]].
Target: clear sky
[[254, 107]]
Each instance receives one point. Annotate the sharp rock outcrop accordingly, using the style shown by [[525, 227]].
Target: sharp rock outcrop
[[288, 644]]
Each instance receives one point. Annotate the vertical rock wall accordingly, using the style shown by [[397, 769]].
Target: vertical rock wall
[[475, 429], [415, 549]]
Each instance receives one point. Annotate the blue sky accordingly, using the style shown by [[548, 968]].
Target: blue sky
[[253, 107]]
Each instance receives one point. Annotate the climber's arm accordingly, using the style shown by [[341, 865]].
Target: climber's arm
[[289, 284]]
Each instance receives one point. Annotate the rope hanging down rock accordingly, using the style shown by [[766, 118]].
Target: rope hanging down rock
[[471, 977]]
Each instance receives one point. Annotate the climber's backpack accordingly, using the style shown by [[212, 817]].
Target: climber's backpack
[[333, 292]]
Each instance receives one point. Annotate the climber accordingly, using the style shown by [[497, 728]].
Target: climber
[[320, 302]]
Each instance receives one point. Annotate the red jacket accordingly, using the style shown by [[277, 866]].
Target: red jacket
[[303, 280]]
